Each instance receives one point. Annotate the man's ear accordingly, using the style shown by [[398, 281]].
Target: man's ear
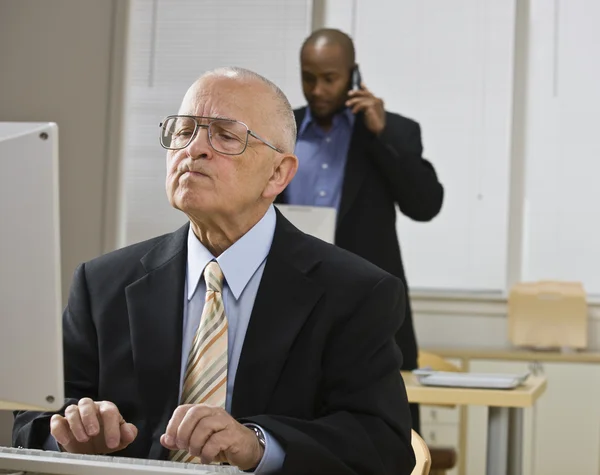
[[283, 173]]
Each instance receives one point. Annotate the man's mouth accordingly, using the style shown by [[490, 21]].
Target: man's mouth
[[193, 173], [320, 103]]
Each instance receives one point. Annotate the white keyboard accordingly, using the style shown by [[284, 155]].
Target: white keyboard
[[34, 462]]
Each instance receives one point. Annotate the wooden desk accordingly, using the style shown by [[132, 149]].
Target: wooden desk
[[505, 421], [517, 354]]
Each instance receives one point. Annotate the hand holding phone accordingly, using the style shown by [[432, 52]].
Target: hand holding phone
[[360, 99]]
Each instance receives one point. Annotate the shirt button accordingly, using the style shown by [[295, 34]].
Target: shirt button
[[328, 139], [322, 193], [325, 166]]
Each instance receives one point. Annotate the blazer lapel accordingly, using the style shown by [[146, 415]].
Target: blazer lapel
[[356, 166], [285, 299], [155, 307]]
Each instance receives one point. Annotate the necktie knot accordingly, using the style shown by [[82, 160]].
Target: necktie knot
[[213, 276]]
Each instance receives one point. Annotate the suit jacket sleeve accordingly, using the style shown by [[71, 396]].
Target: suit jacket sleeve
[[364, 422], [32, 429], [412, 180]]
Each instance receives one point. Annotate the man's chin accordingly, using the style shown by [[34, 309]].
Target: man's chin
[[190, 202], [321, 112]]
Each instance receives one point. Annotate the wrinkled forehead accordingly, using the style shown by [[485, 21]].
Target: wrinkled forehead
[[223, 97]]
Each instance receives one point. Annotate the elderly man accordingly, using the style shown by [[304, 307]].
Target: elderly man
[[237, 338]]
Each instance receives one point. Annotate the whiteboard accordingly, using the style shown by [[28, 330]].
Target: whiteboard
[[562, 150], [449, 65]]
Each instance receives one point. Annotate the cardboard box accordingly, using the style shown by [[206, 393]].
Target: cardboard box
[[548, 315]]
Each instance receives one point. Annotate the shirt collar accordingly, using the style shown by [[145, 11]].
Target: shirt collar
[[308, 119], [239, 262]]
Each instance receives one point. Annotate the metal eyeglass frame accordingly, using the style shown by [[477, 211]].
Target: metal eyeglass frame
[[206, 126]]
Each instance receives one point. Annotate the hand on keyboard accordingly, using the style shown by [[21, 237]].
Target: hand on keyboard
[[90, 427], [213, 435]]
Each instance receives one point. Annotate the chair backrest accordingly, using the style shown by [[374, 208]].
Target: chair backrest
[[435, 362], [421, 454]]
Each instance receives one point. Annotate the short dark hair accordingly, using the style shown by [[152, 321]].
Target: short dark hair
[[334, 37]]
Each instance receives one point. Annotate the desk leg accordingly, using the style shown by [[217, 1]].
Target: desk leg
[[515, 441], [497, 444]]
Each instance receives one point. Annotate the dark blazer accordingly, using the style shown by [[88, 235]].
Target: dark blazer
[[382, 172], [319, 368]]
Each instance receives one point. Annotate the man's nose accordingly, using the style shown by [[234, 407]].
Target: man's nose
[[319, 89], [199, 147]]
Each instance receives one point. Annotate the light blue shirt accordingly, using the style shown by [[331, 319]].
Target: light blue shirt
[[242, 264], [322, 160]]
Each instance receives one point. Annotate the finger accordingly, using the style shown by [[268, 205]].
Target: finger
[[199, 422], [358, 100], [89, 416], [128, 434], [360, 107], [215, 447], [163, 442], [73, 418], [363, 104], [111, 420], [169, 438], [60, 430], [207, 428], [360, 93]]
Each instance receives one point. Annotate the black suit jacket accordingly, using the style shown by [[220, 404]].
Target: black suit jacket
[[382, 172], [319, 368]]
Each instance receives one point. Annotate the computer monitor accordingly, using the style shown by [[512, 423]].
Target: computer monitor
[[31, 361], [318, 221]]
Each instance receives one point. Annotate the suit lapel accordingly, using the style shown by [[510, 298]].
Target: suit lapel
[[155, 307], [356, 166], [285, 299]]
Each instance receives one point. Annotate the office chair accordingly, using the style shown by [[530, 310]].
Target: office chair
[[421, 455], [442, 458]]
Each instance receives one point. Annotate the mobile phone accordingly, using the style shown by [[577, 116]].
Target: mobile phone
[[356, 81]]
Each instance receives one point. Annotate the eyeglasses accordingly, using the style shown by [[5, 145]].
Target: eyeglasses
[[226, 136]]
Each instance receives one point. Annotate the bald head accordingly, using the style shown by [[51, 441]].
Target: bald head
[[228, 193], [278, 112], [332, 37]]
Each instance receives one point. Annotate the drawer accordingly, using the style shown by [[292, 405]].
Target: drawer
[[440, 434], [439, 414]]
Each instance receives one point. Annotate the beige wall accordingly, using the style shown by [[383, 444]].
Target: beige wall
[[476, 322], [56, 66], [58, 62]]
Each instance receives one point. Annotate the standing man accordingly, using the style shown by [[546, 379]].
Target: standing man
[[357, 157]]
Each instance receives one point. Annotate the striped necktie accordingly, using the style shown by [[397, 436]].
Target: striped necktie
[[205, 380]]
